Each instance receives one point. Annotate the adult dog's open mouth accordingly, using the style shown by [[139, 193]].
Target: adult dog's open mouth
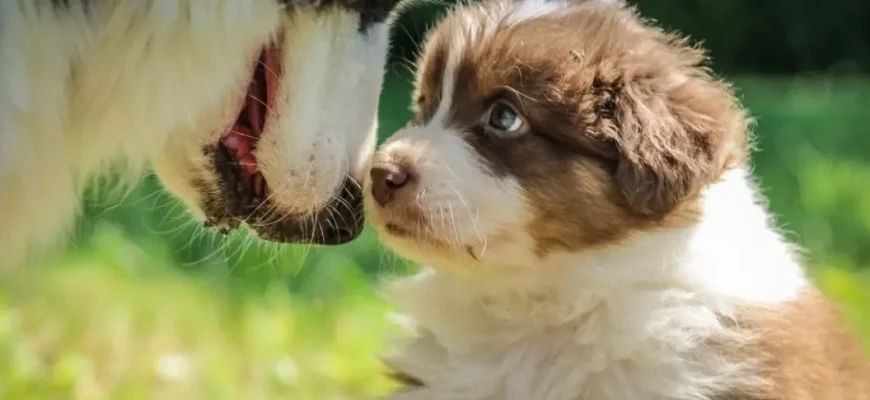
[[237, 145], [244, 191]]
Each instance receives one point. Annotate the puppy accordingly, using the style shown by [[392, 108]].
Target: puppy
[[253, 112], [580, 185]]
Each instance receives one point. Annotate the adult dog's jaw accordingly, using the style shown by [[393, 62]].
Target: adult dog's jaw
[[243, 185], [286, 160], [179, 87], [243, 196]]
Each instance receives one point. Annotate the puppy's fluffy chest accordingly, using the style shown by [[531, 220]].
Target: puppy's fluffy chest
[[657, 317], [649, 341], [609, 351], [721, 308]]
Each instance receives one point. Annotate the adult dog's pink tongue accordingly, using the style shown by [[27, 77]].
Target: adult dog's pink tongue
[[241, 140]]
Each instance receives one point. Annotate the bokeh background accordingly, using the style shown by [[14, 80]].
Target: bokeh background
[[147, 305]]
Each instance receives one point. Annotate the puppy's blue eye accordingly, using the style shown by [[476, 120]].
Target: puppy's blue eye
[[504, 120]]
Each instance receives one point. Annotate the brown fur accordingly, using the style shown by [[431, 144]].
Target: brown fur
[[806, 351], [427, 93], [631, 109], [626, 126]]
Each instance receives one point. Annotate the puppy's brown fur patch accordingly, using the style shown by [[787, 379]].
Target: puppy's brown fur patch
[[627, 125], [806, 350]]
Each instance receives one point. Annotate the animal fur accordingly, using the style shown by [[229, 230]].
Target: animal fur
[[84, 83], [607, 243]]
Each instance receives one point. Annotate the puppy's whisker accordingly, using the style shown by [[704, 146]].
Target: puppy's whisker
[[457, 230], [472, 217]]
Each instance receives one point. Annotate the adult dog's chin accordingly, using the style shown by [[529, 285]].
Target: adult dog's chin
[[240, 196], [282, 153]]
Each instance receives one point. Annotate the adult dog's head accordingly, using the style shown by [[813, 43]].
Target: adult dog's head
[[282, 155]]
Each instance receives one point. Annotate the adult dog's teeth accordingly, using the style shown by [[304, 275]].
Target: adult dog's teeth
[[259, 185], [248, 163]]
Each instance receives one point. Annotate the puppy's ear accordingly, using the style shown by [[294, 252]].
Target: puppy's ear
[[675, 135]]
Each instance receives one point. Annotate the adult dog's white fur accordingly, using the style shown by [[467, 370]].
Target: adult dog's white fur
[[153, 82], [655, 313]]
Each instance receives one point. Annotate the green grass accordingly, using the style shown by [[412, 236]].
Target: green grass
[[148, 306], [97, 330]]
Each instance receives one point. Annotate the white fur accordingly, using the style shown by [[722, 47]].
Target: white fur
[[627, 321], [156, 81], [464, 205], [489, 17]]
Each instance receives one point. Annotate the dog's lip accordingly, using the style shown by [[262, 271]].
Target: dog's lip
[[243, 185], [339, 221], [243, 198], [398, 230], [396, 222], [256, 110], [416, 235], [412, 230]]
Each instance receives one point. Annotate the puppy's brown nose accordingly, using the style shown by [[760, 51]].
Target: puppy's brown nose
[[388, 179]]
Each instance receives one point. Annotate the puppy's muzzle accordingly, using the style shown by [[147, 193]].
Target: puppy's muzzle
[[391, 183]]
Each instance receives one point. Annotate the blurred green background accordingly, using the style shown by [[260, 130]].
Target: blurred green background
[[147, 305]]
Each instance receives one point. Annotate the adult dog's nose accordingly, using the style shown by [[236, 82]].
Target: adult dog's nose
[[388, 181]]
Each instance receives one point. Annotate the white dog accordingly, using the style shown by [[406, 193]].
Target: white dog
[[579, 184], [253, 112]]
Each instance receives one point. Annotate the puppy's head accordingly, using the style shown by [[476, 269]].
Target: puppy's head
[[284, 154], [548, 127]]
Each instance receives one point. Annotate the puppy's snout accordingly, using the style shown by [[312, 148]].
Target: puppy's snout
[[389, 181]]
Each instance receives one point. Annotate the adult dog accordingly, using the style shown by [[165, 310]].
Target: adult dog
[[256, 113]]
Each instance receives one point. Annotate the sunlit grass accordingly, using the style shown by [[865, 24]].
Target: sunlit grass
[[95, 329]]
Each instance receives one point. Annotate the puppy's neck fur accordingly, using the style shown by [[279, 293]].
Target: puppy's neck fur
[[637, 319]]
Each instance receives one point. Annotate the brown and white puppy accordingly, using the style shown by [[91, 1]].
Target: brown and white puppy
[[580, 185], [254, 112]]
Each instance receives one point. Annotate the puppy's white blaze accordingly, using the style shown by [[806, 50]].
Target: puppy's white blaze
[[531, 9], [477, 27], [448, 81], [330, 94], [481, 25]]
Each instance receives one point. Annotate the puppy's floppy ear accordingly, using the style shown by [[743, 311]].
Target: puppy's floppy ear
[[675, 135]]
